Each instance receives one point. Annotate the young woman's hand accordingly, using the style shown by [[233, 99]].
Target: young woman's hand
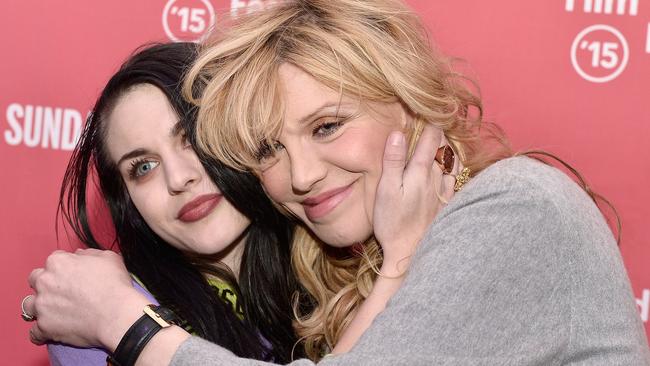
[[409, 196], [83, 298]]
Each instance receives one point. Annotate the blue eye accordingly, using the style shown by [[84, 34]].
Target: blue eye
[[140, 168]]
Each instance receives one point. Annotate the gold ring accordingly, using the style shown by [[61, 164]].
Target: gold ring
[[26, 317]]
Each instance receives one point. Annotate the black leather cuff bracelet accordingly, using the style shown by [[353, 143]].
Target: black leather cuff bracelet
[[139, 334]]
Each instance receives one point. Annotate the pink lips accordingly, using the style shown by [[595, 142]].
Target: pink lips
[[199, 207], [319, 206]]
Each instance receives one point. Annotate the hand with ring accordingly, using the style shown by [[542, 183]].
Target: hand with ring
[[72, 308], [410, 194]]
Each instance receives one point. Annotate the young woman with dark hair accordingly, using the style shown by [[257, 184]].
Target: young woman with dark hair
[[201, 237]]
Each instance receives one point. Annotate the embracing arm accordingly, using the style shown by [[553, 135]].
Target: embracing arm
[[87, 299], [505, 275], [65, 355], [519, 269], [408, 198]]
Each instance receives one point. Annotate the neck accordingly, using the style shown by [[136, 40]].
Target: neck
[[230, 257]]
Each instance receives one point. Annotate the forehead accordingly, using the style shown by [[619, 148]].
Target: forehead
[[141, 116], [302, 94]]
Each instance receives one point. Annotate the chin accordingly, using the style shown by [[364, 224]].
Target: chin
[[343, 237]]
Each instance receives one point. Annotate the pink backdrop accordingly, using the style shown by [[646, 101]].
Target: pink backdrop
[[568, 76]]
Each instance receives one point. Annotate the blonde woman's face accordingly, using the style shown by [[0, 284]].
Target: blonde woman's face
[[328, 157]]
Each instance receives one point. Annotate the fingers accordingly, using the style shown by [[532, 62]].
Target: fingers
[[89, 251], [423, 167], [394, 160], [33, 277], [427, 145], [447, 190], [36, 335], [28, 305]]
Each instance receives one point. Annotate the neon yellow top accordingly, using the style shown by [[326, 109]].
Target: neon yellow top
[[225, 293]]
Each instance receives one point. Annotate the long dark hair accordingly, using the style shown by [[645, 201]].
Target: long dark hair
[[266, 282]]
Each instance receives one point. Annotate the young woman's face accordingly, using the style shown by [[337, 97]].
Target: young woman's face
[[164, 177], [329, 158]]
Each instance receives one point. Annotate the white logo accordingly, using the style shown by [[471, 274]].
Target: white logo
[[599, 53], [188, 20], [42, 126], [605, 6]]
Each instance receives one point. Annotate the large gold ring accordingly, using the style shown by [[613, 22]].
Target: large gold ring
[[26, 317]]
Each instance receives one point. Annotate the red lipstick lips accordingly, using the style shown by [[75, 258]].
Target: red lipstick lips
[[199, 207], [319, 206]]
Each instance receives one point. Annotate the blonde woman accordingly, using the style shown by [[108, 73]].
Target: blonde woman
[[319, 99]]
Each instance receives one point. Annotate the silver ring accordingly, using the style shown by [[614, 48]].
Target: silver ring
[[26, 317]]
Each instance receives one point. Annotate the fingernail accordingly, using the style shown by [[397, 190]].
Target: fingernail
[[396, 139]]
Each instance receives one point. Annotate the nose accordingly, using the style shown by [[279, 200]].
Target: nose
[[307, 169], [182, 171]]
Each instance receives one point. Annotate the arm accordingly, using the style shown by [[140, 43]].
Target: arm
[[496, 280], [415, 188], [408, 198], [73, 309], [65, 355], [500, 279]]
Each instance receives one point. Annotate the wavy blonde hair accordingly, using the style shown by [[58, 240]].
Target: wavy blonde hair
[[375, 50]]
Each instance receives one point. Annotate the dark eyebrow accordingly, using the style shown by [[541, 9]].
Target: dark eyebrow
[[312, 115], [132, 154], [174, 131]]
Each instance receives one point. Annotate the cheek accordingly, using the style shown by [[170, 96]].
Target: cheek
[[150, 204], [361, 150], [230, 220], [240, 221], [277, 182]]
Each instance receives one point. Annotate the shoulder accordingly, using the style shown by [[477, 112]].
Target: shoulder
[[523, 190], [516, 190], [523, 174], [539, 186], [516, 215]]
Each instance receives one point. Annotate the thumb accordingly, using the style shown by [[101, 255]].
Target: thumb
[[394, 160]]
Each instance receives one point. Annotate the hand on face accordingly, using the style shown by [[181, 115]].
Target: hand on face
[[76, 297], [408, 197]]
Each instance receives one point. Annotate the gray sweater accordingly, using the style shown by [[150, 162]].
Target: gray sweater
[[519, 269]]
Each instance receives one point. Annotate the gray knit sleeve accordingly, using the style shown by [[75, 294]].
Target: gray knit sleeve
[[519, 269]]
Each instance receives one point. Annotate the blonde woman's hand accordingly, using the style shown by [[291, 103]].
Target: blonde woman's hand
[[408, 196], [84, 298]]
